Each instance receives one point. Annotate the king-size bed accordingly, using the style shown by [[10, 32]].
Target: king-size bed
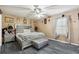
[[24, 36]]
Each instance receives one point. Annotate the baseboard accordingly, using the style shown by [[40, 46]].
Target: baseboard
[[65, 42], [75, 44]]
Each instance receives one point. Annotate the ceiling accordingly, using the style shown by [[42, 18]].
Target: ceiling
[[26, 10]]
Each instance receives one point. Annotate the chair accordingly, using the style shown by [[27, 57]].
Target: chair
[[9, 35]]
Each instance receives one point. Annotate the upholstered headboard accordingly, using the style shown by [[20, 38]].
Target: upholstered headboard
[[21, 27]]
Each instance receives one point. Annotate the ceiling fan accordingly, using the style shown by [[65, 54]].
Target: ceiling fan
[[37, 13]]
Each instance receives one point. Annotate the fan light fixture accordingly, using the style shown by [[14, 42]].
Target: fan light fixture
[[37, 12]]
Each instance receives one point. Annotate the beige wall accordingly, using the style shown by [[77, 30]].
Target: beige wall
[[17, 20], [49, 28], [74, 25], [45, 28], [5, 24]]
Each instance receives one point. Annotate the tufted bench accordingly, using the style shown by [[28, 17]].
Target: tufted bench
[[39, 43]]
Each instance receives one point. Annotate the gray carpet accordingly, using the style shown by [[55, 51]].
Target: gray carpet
[[54, 47]]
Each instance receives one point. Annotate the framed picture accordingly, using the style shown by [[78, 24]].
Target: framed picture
[[25, 21], [45, 21], [6, 19], [9, 20]]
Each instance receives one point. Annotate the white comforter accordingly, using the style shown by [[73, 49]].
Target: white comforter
[[31, 35]]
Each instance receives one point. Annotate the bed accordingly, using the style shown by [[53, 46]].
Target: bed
[[25, 37]]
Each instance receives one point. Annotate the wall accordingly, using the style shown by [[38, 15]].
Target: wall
[[17, 20], [45, 28], [74, 25], [49, 28]]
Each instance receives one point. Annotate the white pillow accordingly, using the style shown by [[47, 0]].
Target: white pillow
[[27, 30]]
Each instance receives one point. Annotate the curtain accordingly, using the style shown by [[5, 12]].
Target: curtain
[[62, 26]]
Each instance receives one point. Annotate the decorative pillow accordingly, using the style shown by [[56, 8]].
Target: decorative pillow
[[31, 29], [19, 30], [27, 30]]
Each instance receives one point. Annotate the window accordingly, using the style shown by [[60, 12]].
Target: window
[[61, 26]]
